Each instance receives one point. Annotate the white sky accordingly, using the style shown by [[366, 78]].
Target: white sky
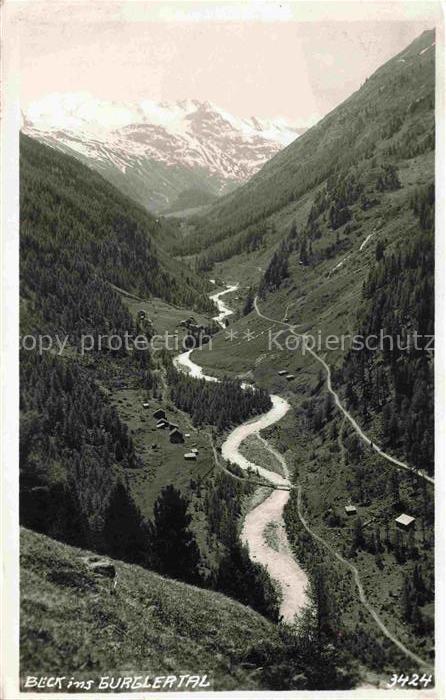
[[291, 60]]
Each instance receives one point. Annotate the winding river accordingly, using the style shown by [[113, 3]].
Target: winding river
[[273, 551], [263, 528], [224, 310]]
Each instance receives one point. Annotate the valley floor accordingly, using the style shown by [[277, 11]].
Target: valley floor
[[373, 586]]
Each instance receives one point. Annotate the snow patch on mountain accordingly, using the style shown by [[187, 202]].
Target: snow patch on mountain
[[189, 136], [82, 113]]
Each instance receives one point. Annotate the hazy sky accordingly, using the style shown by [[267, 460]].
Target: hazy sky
[[293, 60]]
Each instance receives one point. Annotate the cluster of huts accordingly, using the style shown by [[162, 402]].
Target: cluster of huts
[[191, 325], [403, 522], [175, 434], [162, 423]]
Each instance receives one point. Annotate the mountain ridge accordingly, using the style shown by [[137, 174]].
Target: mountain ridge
[[61, 199], [346, 134], [156, 151]]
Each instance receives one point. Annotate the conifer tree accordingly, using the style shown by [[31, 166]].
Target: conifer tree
[[174, 549], [249, 302], [124, 531]]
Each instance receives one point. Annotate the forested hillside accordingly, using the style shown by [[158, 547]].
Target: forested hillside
[[80, 241], [220, 405], [398, 381], [345, 227], [390, 118], [78, 235]]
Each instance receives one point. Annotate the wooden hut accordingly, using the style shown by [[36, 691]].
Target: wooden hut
[[405, 522], [176, 436]]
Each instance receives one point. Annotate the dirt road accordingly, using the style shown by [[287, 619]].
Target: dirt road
[[347, 414]]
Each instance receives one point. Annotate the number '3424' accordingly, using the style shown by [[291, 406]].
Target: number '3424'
[[414, 681]]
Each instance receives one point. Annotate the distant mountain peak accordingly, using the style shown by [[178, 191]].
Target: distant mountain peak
[[195, 143], [71, 111]]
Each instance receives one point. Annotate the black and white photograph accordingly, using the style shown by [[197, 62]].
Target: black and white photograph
[[219, 459]]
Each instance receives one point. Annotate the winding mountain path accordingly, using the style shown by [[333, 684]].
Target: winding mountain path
[[347, 414], [366, 240], [361, 593], [356, 576]]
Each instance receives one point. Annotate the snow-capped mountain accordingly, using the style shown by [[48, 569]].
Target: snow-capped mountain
[[157, 151]]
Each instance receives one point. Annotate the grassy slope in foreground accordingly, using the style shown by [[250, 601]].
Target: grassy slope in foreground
[[151, 626]]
